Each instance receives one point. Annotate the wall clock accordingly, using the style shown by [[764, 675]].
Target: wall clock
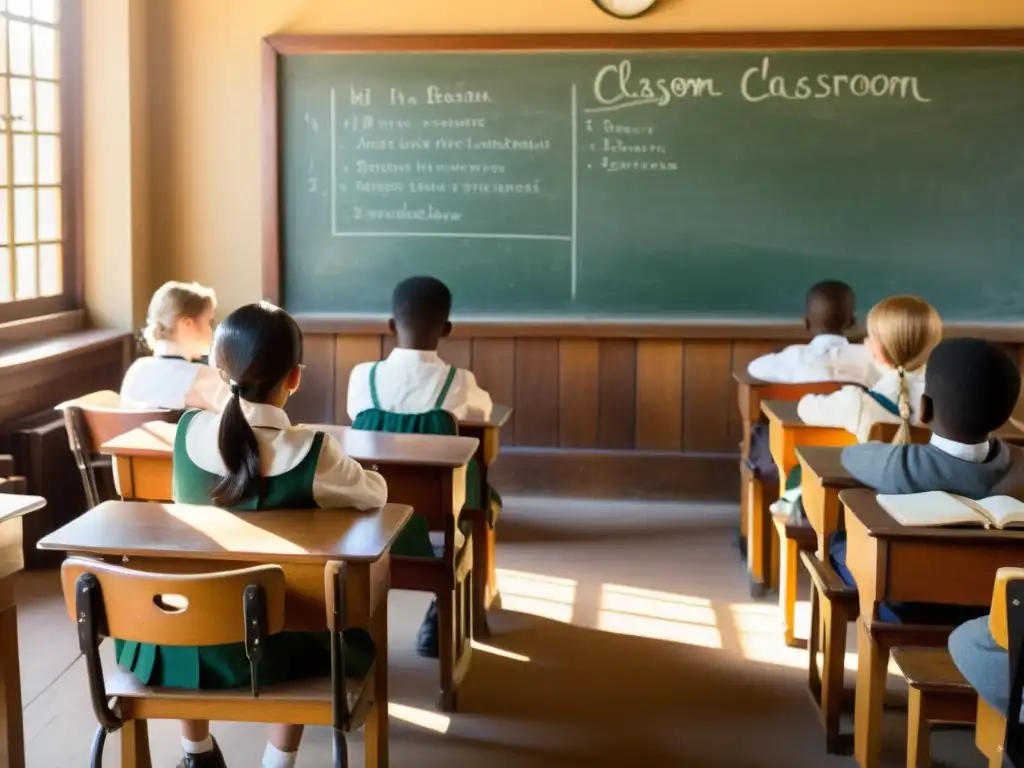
[[625, 9]]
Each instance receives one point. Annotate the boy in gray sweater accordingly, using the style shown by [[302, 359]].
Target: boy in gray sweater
[[971, 388]]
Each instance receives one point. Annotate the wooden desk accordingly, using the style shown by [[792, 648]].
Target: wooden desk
[[485, 577], [12, 561], [175, 538], [823, 478], [786, 430], [891, 562]]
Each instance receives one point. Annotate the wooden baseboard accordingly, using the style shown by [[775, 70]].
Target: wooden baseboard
[[646, 475]]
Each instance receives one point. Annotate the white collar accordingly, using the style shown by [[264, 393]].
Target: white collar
[[825, 341], [169, 349], [975, 454], [263, 415], [402, 355]]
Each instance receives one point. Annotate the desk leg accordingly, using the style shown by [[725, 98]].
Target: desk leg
[[376, 729], [789, 559], [872, 669], [12, 739]]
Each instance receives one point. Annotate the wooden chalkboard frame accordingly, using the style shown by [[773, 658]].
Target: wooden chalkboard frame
[[276, 46]]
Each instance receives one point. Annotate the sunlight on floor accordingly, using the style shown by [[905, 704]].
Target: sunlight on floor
[[494, 651], [431, 721], [545, 596], [658, 615]]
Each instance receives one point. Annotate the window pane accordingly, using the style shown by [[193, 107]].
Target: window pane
[[46, 52], [49, 159], [5, 274], [4, 181], [3, 43], [5, 236], [25, 272], [20, 7], [24, 215], [50, 269], [46, 10], [47, 107], [21, 104], [49, 213], [19, 38], [24, 158]]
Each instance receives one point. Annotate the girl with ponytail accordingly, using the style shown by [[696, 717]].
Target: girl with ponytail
[[250, 457], [902, 332]]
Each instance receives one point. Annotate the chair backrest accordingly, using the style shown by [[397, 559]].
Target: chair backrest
[[1006, 622], [885, 432], [93, 419], [176, 609]]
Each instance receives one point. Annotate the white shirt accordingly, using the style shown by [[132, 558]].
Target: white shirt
[[166, 381], [410, 381], [827, 358], [974, 453], [854, 410], [338, 481]]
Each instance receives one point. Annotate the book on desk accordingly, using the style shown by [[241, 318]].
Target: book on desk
[[938, 508]]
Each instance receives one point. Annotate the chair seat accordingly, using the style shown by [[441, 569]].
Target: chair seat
[[930, 669], [803, 535], [122, 683]]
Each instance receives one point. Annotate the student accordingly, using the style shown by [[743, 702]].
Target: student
[[179, 331], [250, 457], [971, 388], [902, 331], [414, 390], [829, 356]]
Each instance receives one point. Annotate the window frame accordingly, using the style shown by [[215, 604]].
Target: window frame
[[72, 295]]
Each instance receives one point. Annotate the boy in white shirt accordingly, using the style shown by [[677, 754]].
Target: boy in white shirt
[[414, 390], [829, 356]]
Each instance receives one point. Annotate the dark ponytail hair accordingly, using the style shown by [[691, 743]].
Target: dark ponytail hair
[[256, 347]]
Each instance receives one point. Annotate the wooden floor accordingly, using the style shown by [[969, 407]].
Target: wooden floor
[[628, 638]]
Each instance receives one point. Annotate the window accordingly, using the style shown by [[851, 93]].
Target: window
[[37, 68]]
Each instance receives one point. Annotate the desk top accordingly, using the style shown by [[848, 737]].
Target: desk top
[[499, 415], [862, 504], [783, 411], [190, 532], [156, 440], [16, 504], [826, 463]]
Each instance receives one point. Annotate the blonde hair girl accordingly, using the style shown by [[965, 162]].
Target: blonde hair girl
[[902, 332], [179, 320]]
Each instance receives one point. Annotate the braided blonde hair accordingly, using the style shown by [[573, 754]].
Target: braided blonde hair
[[905, 330], [171, 302]]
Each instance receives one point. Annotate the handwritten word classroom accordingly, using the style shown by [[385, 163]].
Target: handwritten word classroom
[[420, 397]]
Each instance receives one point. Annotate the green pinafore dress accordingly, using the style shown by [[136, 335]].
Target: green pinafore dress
[[287, 655], [414, 540]]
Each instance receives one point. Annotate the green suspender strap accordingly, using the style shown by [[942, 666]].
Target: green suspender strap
[[439, 405], [373, 385]]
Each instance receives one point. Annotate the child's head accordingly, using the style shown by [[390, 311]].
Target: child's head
[[419, 312], [902, 332], [970, 389], [830, 305], [181, 313], [258, 351]]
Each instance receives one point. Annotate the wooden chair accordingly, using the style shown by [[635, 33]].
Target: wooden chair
[[755, 495], [93, 419], [245, 605], [998, 736], [794, 539], [938, 693], [834, 604]]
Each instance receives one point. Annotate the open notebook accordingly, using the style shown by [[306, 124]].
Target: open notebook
[[937, 508]]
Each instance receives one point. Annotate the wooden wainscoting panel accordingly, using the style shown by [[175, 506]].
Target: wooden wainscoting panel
[[659, 395], [494, 364], [315, 401], [709, 398], [537, 392], [349, 351], [616, 394], [578, 393], [742, 353], [457, 352]]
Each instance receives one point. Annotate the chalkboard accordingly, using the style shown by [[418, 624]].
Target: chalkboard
[[677, 184]]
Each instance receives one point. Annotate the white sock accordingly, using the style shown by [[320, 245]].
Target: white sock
[[197, 747], [275, 758]]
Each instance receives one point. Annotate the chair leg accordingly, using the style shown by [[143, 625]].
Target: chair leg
[[789, 559], [481, 568], [13, 748], [872, 671], [814, 647], [918, 732], [135, 744], [340, 749], [376, 728], [832, 673], [447, 652]]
